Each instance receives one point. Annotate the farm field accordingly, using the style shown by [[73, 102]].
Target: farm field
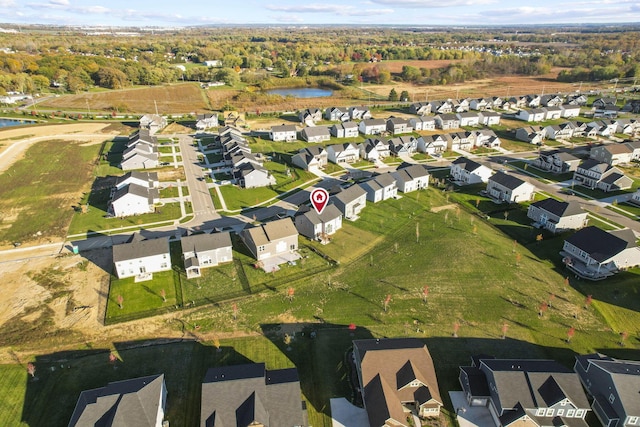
[[170, 99]]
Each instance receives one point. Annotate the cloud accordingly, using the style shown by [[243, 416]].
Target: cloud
[[553, 15], [433, 3], [335, 9], [60, 2]]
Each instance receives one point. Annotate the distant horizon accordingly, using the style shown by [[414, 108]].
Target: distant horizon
[[392, 13]]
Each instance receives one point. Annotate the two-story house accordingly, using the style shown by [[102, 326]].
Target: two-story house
[[556, 161], [508, 188], [205, 250], [557, 216], [465, 171]]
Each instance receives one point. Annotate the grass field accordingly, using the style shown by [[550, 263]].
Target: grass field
[[36, 196], [170, 99]]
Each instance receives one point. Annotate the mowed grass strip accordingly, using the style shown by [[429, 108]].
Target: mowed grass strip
[[13, 386], [38, 192]]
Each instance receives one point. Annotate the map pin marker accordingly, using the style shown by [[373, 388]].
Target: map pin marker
[[319, 199]]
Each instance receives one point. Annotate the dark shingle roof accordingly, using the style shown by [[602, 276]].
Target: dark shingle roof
[[140, 248], [559, 208], [468, 164], [205, 242], [509, 181], [128, 403], [599, 244]]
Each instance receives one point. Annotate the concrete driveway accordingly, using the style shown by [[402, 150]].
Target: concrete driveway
[[344, 414], [470, 416]]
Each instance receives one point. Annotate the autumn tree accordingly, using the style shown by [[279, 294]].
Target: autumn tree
[[456, 328], [623, 337], [505, 328], [163, 294], [570, 333], [120, 300], [543, 309], [290, 294], [587, 301], [31, 369], [234, 309], [387, 300], [425, 294]]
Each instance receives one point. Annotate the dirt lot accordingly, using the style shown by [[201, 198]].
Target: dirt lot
[[14, 142]]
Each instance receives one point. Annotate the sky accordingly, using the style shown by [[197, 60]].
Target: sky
[[167, 13]]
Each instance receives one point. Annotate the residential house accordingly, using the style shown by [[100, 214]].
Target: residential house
[[206, 121], [153, 122], [532, 101], [635, 198], [468, 118], [133, 199], [561, 131], [602, 176], [251, 175], [315, 134], [432, 144], [410, 177], [489, 118], [139, 160], [465, 171], [632, 106], [422, 123], [233, 118], [596, 254], [608, 111], [603, 102], [460, 105], [310, 116], [374, 149], [141, 258], [613, 385], [634, 146], [515, 102], [397, 378], [508, 188], [486, 138], [205, 250], [569, 111], [318, 226], [531, 134], [403, 145], [577, 99], [359, 113], [372, 126], [525, 392], [343, 153], [345, 130], [479, 104], [496, 102], [447, 121], [551, 100], [533, 115], [612, 154], [350, 201], [271, 240], [314, 157], [607, 127], [582, 130], [628, 126], [139, 402], [380, 187], [557, 216], [420, 108], [251, 395], [335, 114], [144, 179], [283, 133], [398, 125], [461, 141], [441, 107], [552, 113], [556, 161]]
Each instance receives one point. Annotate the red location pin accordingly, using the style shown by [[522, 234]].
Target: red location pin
[[319, 199]]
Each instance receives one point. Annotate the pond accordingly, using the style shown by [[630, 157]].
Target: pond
[[15, 122], [301, 92]]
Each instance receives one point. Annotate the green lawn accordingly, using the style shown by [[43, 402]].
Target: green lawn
[[13, 387], [214, 158], [165, 150], [142, 297], [627, 209], [169, 192], [36, 196], [94, 219]]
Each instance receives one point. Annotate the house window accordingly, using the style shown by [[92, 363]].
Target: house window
[[570, 412], [549, 412], [292, 247], [260, 248], [633, 420], [580, 413], [540, 412], [163, 265], [560, 412], [612, 398]]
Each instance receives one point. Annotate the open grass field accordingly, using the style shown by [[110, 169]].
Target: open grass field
[[38, 192], [170, 99]]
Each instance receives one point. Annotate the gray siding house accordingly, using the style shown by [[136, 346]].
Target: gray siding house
[[350, 201], [205, 250], [557, 216]]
